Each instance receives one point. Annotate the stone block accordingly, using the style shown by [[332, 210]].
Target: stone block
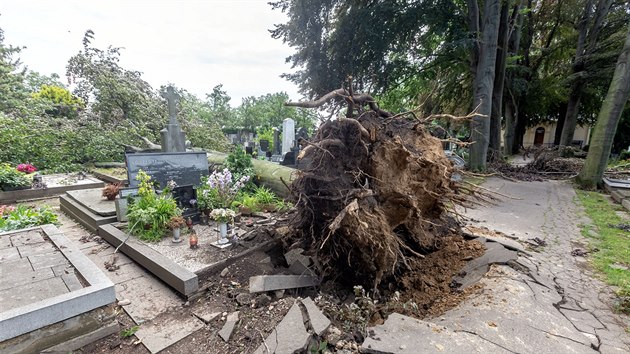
[[207, 315], [93, 200], [228, 328], [9, 254], [261, 283], [318, 321], [5, 242], [36, 248], [289, 336], [47, 260], [626, 204], [26, 238], [29, 293]]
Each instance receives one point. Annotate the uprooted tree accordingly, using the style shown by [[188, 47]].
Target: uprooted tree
[[375, 198]]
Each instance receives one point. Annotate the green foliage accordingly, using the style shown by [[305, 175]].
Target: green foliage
[[64, 103], [207, 198], [27, 216], [12, 178], [129, 331], [240, 164], [264, 195], [269, 111], [248, 201], [265, 134], [150, 213]]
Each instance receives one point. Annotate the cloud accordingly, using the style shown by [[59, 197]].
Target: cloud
[[193, 44]]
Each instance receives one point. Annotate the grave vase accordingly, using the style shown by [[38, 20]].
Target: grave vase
[[176, 234], [223, 233]]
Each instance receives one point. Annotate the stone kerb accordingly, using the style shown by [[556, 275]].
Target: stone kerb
[[99, 292]]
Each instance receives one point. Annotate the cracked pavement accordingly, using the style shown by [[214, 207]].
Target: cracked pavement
[[546, 302]]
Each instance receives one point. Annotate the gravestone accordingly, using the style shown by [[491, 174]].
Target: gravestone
[[276, 142], [173, 138], [185, 168], [288, 135], [122, 203], [264, 145]]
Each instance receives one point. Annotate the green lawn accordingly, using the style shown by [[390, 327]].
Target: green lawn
[[611, 247]]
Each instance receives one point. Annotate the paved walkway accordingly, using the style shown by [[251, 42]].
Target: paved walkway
[[554, 303], [150, 300]]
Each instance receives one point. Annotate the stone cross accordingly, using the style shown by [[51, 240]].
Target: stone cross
[[173, 138], [288, 135]]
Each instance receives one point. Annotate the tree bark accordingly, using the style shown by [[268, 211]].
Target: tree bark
[[607, 120], [511, 106], [499, 80], [484, 84]]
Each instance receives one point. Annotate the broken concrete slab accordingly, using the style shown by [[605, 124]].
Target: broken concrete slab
[[289, 336], [228, 328], [506, 242], [495, 253], [318, 321], [406, 335], [207, 315], [166, 330], [261, 283]]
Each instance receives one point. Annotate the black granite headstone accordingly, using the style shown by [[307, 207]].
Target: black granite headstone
[[185, 168], [264, 145]]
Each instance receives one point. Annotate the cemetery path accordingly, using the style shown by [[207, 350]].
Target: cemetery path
[[549, 301]]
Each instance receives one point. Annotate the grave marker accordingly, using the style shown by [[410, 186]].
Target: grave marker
[[288, 135], [185, 168]]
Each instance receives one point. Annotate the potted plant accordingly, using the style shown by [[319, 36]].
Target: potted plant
[[223, 217], [175, 224], [111, 190]]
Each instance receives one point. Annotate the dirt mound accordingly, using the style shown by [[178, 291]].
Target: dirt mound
[[373, 203]]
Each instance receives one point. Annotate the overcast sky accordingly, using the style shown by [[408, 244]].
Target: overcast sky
[[193, 44]]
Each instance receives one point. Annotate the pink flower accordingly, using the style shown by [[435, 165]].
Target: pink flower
[[26, 168]]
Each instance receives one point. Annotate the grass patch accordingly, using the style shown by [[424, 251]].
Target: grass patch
[[610, 246]]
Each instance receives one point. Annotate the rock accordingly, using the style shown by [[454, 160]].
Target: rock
[[243, 299], [279, 294], [124, 302], [224, 272], [206, 315], [289, 336], [262, 300], [319, 322], [262, 283], [226, 332]]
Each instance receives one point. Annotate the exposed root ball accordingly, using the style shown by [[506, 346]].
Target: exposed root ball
[[373, 199]]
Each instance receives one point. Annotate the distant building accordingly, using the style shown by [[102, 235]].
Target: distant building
[[543, 135]]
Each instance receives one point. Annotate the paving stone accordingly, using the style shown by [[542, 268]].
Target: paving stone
[[166, 330], [9, 254], [406, 335], [319, 322], [226, 332], [36, 248], [149, 297], [22, 274], [207, 315], [47, 260], [29, 293], [26, 238], [261, 283], [5, 242], [72, 282], [289, 336], [478, 267]]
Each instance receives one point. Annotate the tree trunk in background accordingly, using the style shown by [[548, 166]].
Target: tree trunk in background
[[511, 116], [511, 107], [607, 120], [560, 124], [499, 80], [484, 83]]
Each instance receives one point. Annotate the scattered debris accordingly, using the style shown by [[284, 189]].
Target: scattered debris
[[624, 227], [206, 315], [243, 299], [289, 335], [124, 302], [538, 241], [579, 252], [224, 272], [318, 321], [262, 283]]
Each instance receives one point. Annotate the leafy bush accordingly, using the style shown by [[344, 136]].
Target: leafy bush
[[150, 213], [625, 155], [240, 164], [10, 177], [25, 216]]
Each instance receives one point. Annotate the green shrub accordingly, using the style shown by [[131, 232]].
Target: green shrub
[[240, 164], [10, 177], [149, 213], [26, 216], [625, 155]]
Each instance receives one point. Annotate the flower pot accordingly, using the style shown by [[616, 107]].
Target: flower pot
[[193, 240], [176, 235]]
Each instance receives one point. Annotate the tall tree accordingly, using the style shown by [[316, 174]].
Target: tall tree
[[602, 139], [589, 28], [484, 83]]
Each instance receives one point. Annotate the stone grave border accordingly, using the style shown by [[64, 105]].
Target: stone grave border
[[83, 215], [109, 179], [179, 278], [25, 194], [30, 317]]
